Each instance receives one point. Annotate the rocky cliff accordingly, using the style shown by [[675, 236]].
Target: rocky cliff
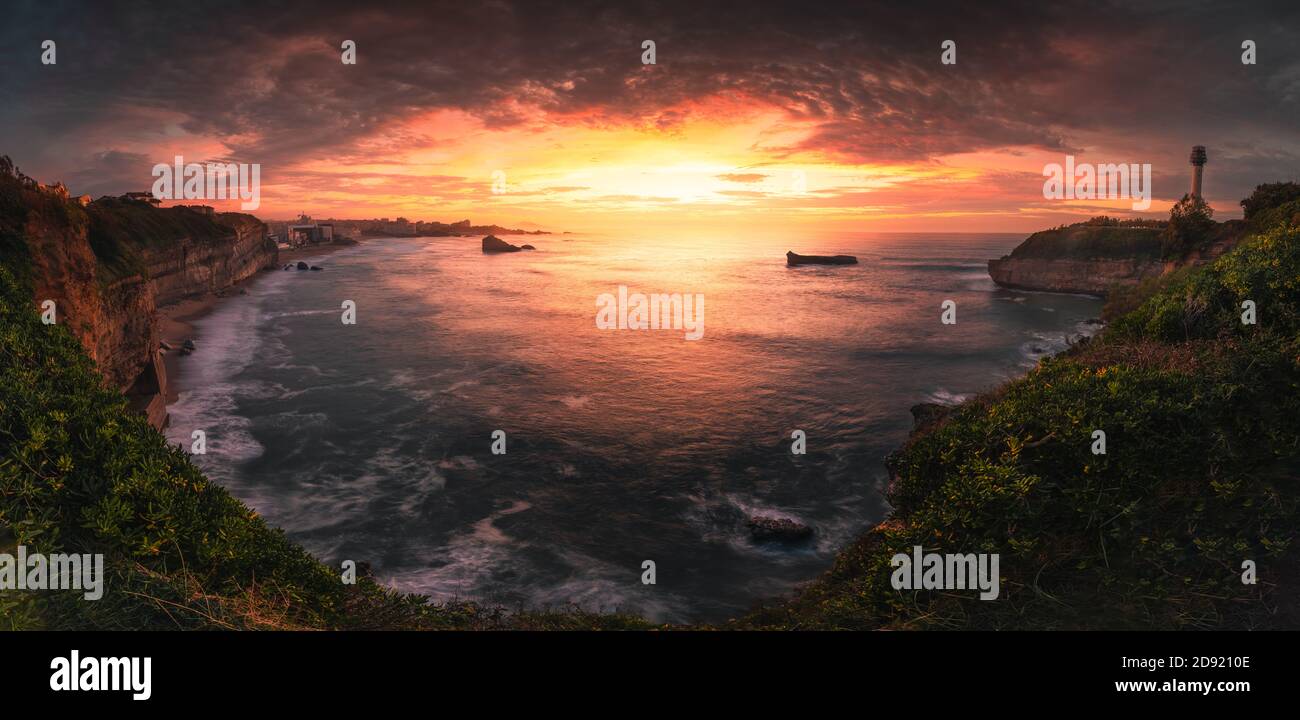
[[190, 267], [1094, 259], [1090, 276], [108, 266], [1081, 259]]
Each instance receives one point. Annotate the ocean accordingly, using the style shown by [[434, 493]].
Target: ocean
[[373, 441]]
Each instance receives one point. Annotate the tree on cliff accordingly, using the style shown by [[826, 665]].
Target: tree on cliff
[[1191, 222], [1269, 196]]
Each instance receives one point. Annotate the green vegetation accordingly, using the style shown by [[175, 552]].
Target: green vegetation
[[1108, 221], [119, 231], [22, 201], [1099, 238], [1191, 226], [1267, 197], [1288, 213]]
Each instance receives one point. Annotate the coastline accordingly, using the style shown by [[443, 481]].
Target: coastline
[[176, 321]]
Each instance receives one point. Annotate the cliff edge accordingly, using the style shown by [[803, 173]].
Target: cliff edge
[[1099, 255], [107, 267]]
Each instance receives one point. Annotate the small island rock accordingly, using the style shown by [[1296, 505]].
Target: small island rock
[[793, 258], [494, 244], [763, 528]]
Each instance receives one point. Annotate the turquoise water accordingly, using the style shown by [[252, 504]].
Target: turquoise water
[[372, 442]]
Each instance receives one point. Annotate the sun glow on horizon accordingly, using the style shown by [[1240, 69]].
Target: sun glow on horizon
[[723, 163]]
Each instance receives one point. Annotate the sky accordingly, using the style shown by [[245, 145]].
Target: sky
[[772, 115]]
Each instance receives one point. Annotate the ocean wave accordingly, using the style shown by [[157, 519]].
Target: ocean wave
[[459, 462], [942, 396], [228, 435], [723, 518], [461, 568], [576, 402], [298, 313], [957, 267], [598, 586]]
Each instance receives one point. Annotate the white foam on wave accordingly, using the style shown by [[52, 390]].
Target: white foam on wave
[[943, 396], [1046, 344], [298, 313], [212, 410], [599, 586], [427, 387], [459, 462], [457, 569], [209, 388], [723, 519]]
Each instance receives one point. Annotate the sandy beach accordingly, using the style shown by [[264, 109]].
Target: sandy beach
[[176, 321]]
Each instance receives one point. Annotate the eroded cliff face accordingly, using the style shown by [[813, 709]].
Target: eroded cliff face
[[191, 268], [1086, 276], [1095, 259], [107, 288]]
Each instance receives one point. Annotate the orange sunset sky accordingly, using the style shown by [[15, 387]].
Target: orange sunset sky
[[800, 117]]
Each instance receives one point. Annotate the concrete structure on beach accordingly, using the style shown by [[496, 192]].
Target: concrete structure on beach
[[306, 232]]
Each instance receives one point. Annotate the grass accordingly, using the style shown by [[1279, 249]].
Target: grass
[[121, 231], [1086, 241]]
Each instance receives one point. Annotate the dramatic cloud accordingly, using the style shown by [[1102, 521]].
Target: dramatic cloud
[[443, 93]]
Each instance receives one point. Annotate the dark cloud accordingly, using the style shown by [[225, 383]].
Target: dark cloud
[[266, 78], [110, 171]]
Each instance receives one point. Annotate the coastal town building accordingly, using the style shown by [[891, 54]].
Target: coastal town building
[[144, 197], [306, 232]]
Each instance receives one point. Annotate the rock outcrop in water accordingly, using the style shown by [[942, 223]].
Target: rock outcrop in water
[[764, 529], [792, 258], [926, 416], [494, 244], [1092, 259], [110, 265]]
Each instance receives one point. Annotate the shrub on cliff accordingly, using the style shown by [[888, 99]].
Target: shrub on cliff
[[118, 230], [1108, 221], [1088, 240], [1207, 303], [80, 473], [1268, 196], [122, 230], [1287, 213], [1191, 225], [24, 202]]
